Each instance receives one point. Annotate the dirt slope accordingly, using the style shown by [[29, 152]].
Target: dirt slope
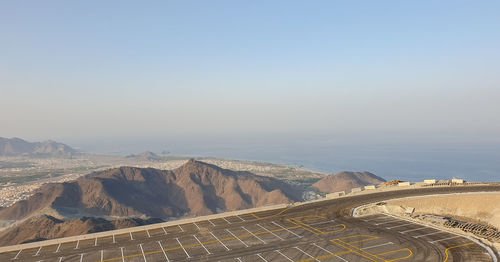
[[345, 181]]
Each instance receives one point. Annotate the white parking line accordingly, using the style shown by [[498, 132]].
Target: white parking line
[[77, 243], [259, 255], [219, 241], [38, 252], [240, 218], [123, 257], [81, 257], [328, 251], [411, 230], [182, 230], [208, 252], [289, 231], [444, 239], [226, 220], [324, 222], [95, 243], [236, 237], [283, 255], [131, 237], [239, 259], [407, 224], [143, 255], [60, 259], [163, 250], [377, 218], [114, 239], [196, 225], [385, 244], [17, 254], [433, 233], [270, 232], [58, 247], [392, 221], [147, 232], [211, 222], [254, 235], [102, 255], [164, 230], [188, 256], [306, 253]]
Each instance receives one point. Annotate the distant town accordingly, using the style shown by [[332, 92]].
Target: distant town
[[21, 176]]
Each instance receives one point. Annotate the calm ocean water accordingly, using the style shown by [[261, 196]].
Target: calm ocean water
[[412, 162]]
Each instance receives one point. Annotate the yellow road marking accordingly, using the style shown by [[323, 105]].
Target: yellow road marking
[[304, 226], [315, 230], [446, 251], [333, 231], [277, 214], [355, 250], [394, 251], [373, 257]]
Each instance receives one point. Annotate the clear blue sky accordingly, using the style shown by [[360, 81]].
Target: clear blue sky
[[121, 69]]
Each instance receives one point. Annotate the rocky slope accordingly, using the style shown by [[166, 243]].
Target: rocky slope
[[345, 181], [195, 188], [18, 147]]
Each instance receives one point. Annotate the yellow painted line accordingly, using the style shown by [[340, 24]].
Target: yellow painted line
[[334, 231], [198, 244], [277, 214], [304, 226], [356, 250], [446, 251], [325, 256], [366, 254], [394, 251], [315, 230]]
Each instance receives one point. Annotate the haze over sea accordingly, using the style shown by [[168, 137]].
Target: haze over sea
[[391, 160], [405, 89]]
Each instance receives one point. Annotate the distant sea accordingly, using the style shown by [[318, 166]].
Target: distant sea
[[404, 161]]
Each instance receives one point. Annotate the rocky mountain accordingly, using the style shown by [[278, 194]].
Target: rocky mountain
[[48, 227], [17, 147], [345, 181], [195, 188]]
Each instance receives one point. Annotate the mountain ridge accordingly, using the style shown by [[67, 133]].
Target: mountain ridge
[[18, 147], [195, 188], [346, 180]]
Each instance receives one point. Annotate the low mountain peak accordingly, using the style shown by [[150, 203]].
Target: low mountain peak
[[195, 164]]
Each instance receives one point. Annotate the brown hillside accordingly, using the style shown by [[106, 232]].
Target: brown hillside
[[196, 188], [345, 181]]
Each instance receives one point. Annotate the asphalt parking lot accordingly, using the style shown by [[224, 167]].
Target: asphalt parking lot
[[302, 233]]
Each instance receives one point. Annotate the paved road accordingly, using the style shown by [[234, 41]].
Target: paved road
[[321, 231]]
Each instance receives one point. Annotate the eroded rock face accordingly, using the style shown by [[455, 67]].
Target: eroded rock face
[[345, 181], [196, 188]]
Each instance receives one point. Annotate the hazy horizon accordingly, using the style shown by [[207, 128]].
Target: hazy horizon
[[219, 77]]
